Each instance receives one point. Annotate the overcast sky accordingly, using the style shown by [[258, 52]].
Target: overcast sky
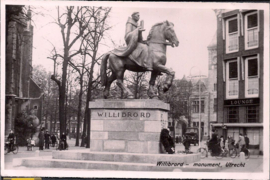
[[195, 29]]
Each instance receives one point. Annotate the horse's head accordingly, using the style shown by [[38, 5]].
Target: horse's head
[[170, 33]]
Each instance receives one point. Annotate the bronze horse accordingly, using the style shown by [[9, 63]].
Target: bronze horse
[[156, 50]]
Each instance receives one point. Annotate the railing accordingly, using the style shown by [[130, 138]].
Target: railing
[[233, 42], [252, 37]]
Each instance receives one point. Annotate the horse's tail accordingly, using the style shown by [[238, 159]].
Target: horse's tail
[[103, 69]]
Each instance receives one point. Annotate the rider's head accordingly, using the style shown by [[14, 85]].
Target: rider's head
[[136, 16], [11, 131]]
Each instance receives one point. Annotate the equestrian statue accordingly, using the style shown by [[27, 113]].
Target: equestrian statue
[[140, 56]]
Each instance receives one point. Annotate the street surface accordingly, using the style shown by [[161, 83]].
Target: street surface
[[253, 164]]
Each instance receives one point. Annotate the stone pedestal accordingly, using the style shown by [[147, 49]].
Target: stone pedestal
[[131, 126]]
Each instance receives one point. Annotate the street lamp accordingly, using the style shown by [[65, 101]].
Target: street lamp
[[198, 76]]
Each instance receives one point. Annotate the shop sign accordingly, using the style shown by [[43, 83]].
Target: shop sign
[[242, 102]]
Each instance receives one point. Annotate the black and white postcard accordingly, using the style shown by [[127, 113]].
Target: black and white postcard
[[134, 89]]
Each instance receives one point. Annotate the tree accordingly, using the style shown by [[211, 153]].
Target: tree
[[73, 23], [138, 84], [97, 27], [81, 70]]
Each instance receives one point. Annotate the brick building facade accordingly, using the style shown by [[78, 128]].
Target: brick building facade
[[240, 53]]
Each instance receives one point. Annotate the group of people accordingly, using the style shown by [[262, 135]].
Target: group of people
[[216, 143], [47, 139]]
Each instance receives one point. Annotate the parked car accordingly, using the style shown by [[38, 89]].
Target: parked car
[[193, 134]]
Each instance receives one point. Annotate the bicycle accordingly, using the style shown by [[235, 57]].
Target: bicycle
[[14, 150], [235, 152], [204, 152]]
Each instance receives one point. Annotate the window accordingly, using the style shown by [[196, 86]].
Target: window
[[196, 124], [202, 106], [254, 136], [251, 30], [195, 105], [252, 114], [184, 107], [215, 104], [232, 86], [232, 35], [251, 77], [233, 116]]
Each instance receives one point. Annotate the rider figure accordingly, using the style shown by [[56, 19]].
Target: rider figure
[[131, 25], [11, 138]]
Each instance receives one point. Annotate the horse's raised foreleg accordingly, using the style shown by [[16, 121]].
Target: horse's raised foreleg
[[170, 76], [151, 91], [106, 92]]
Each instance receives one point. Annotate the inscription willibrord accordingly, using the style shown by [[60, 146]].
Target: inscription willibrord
[[124, 114]]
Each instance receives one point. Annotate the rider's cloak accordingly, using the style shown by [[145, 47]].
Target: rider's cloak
[[135, 50]]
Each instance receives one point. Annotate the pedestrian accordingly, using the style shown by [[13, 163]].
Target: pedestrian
[[230, 143], [241, 142], [53, 139], [83, 140], [207, 142], [247, 141], [47, 140], [41, 139], [63, 141], [11, 139], [221, 142], [214, 145], [226, 144], [167, 141], [186, 143]]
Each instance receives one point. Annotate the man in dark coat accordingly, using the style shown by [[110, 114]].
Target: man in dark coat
[[41, 139], [11, 139], [186, 143], [47, 140], [53, 138], [214, 145], [247, 141], [167, 141], [64, 140]]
